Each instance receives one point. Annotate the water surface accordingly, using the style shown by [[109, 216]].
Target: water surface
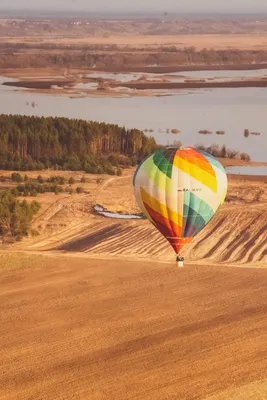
[[247, 170], [100, 210], [222, 73], [88, 85], [226, 109], [181, 76]]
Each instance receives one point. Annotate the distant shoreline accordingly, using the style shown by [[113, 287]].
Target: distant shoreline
[[196, 84], [149, 85], [186, 68], [165, 69], [131, 15]]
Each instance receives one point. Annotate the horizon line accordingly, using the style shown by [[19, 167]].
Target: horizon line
[[166, 13]]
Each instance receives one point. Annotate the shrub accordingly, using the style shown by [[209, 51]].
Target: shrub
[[40, 179], [33, 193], [245, 157], [15, 216], [79, 189], [16, 177]]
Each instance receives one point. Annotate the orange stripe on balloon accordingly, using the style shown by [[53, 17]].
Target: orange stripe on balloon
[[193, 157]]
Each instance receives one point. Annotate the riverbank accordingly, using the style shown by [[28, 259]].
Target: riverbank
[[100, 82], [197, 84], [155, 69]]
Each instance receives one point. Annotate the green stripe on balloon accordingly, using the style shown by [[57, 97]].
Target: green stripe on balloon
[[164, 161], [201, 207], [194, 222], [197, 213]]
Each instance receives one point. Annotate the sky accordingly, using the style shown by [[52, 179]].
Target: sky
[[241, 6]]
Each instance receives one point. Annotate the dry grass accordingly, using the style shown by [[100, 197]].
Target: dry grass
[[91, 329], [216, 41], [236, 235]]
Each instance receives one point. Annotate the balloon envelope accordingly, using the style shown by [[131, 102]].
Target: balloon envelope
[[179, 191]]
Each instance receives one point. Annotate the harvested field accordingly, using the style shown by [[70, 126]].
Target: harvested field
[[94, 308], [236, 235], [97, 329]]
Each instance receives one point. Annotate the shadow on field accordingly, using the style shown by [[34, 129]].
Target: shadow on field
[[88, 241]]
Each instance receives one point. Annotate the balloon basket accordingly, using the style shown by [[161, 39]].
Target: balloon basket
[[179, 261]]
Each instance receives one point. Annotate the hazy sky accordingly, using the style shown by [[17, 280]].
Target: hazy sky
[[140, 5]]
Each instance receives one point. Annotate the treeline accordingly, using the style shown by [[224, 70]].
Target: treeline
[[224, 152], [15, 216], [102, 58], [34, 143], [33, 187]]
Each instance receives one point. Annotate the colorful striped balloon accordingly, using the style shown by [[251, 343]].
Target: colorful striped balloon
[[179, 191]]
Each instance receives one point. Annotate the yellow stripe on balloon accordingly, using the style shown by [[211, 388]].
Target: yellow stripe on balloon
[[196, 172], [161, 208], [159, 179]]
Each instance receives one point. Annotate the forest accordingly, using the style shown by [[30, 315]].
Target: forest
[[34, 143], [110, 57]]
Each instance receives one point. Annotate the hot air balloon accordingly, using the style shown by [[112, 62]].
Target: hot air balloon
[[179, 190]]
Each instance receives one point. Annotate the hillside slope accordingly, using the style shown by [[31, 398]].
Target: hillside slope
[[237, 234]]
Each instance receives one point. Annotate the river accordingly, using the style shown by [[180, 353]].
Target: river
[[231, 110]]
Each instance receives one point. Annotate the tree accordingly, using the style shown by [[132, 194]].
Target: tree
[[244, 157], [223, 151], [71, 181], [40, 179], [33, 143], [15, 216], [16, 177]]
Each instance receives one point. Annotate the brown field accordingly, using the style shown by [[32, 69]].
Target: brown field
[[199, 41], [94, 308], [66, 223], [74, 328]]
